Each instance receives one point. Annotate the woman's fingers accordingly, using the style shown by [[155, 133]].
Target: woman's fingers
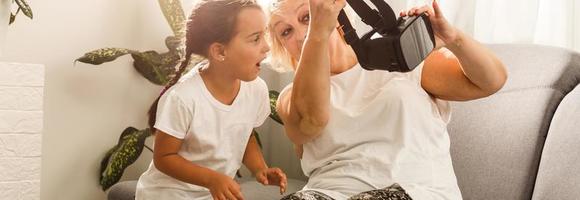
[[436, 8], [411, 12], [402, 14], [417, 11], [340, 3]]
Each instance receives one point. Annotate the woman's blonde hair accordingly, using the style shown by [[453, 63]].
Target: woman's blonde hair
[[280, 57]]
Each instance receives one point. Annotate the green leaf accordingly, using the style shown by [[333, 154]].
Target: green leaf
[[173, 12], [12, 18], [125, 153], [175, 44], [103, 55], [155, 67], [25, 8], [273, 114]]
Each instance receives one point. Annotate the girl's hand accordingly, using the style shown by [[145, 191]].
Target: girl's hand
[[272, 176], [444, 33], [323, 16], [223, 187]]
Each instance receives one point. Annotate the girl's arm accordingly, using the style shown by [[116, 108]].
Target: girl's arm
[[253, 158], [166, 160], [254, 161]]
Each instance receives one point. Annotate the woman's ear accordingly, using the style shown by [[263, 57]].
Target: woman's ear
[[217, 51]]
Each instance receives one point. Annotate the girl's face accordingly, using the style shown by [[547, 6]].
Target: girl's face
[[248, 47], [289, 25]]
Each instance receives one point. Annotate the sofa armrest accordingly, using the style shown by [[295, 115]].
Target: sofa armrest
[[559, 170]]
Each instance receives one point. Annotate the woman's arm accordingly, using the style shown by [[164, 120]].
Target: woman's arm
[[305, 109], [471, 71]]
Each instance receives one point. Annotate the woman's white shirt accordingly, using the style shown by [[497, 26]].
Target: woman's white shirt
[[384, 128]]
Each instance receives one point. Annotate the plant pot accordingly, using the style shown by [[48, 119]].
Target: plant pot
[[5, 8]]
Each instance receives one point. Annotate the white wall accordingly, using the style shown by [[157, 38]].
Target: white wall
[[86, 107], [21, 97]]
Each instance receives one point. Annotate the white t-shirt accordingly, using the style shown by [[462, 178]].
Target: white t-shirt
[[214, 134], [383, 129]]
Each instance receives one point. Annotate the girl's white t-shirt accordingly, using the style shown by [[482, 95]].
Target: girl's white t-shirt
[[214, 134], [384, 128]]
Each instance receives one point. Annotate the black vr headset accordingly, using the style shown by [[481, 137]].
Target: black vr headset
[[403, 44]]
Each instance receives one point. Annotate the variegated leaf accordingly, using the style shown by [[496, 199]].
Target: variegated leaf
[[12, 18], [155, 67], [174, 15], [103, 55], [273, 114], [125, 153], [25, 8], [175, 44]]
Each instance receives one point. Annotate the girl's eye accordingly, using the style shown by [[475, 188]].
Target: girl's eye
[[257, 38]]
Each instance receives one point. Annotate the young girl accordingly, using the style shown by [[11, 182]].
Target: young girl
[[204, 119]]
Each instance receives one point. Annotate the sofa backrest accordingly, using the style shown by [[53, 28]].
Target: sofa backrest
[[498, 142]]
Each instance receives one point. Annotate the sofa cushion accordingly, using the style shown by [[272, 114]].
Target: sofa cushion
[[496, 142], [252, 190]]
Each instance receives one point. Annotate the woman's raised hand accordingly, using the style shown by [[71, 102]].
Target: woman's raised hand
[[323, 17], [444, 32]]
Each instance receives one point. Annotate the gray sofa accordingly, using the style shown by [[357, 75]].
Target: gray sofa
[[521, 143]]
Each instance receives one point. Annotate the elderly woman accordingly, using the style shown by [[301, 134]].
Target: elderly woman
[[373, 134]]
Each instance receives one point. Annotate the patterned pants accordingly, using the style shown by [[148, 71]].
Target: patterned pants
[[393, 192]]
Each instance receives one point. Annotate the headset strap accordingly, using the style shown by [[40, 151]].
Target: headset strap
[[368, 15], [350, 34], [387, 14]]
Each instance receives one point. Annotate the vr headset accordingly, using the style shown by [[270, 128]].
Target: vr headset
[[402, 43]]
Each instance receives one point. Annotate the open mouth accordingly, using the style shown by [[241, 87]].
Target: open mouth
[[260, 62]]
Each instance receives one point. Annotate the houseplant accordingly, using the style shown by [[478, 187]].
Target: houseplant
[[7, 17], [22, 6], [158, 68]]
